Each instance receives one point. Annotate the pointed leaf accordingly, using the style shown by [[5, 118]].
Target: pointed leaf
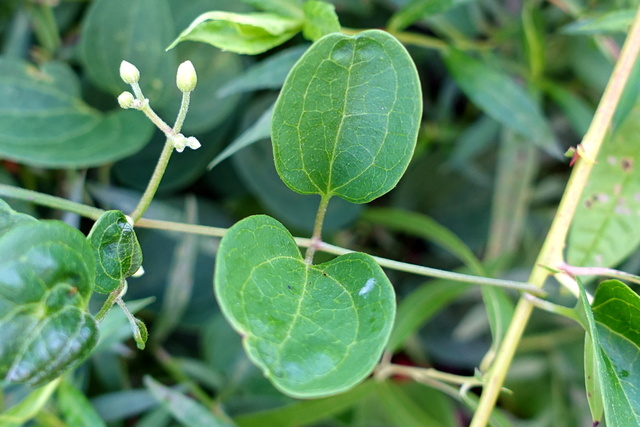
[[76, 408], [347, 118], [116, 249], [606, 227], [290, 8], [617, 21], [43, 122], [186, 410], [249, 33], [314, 330], [46, 279], [500, 97], [320, 19], [416, 10]]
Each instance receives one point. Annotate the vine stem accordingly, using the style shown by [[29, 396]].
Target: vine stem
[[316, 237], [551, 252]]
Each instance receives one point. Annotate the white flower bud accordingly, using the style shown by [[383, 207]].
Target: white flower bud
[[129, 73], [193, 143], [179, 142], [126, 100], [138, 272], [186, 77]]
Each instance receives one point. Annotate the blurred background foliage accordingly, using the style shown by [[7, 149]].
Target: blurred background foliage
[[508, 86]]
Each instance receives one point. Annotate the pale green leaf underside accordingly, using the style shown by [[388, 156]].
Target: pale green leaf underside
[[46, 279], [314, 330], [347, 119], [249, 33], [606, 227], [320, 19], [616, 310], [43, 122], [116, 249]]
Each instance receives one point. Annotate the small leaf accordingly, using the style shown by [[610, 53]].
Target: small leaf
[[184, 409], [140, 333], [320, 19], [10, 218], [606, 227], [501, 98], [347, 118], [249, 33], [617, 21], [43, 122], [116, 249], [314, 330], [137, 32], [46, 279]]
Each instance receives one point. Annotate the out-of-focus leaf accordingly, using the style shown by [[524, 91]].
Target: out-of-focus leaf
[[416, 10], [290, 8], [293, 209], [184, 409], [46, 279], [425, 227], [314, 330], [10, 218], [18, 415], [320, 19], [43, 122], [116, 30], [338, 128], [606, 226], [249, 33], [116, 249], [403, 410], [307, 412], [500, 97], [261, 129], [76, 409], [123, 404], [577, 111], [616, 21], [268, 74]]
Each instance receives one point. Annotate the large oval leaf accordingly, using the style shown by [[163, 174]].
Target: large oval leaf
[[347, 118], [46, 279], [314, 330], [43, 121], [10, 218], [116, 249]]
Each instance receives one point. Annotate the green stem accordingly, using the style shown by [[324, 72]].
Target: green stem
[[111, 299], [182, 114], [551, 252], [600, 271], [154, 182], [50, 201], [420, 374], [316, 237]]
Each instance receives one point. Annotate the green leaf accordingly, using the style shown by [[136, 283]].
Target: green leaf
[[116, 30], [616, 311], [347, 118], [76, 408], [606, 227], [186, 410], [416, 10], [320, 19], [500, 97], [249, 33], [617, 21], [43, 122], [290, 8], [116, 249], [113, 328], [46, 280], [309, 411], [10, 218], [268, 74], [18, 415], [314, 330]]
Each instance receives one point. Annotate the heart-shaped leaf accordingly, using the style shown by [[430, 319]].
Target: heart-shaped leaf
[[10, 218], [46, 280], [314, 330], [347, 118], [116, 249]]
